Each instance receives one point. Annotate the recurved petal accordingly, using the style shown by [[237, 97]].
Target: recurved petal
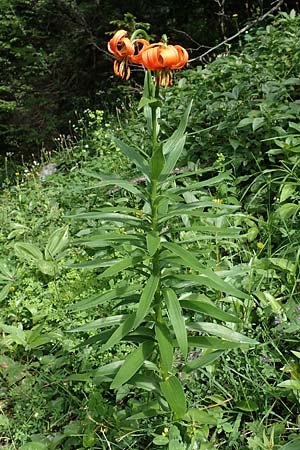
[[120, 45], [113, 43], [183, 57], [139, 46], [150, 57], [168, 56]]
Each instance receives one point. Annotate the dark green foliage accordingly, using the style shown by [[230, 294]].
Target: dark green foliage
[[243, 100], [54, 62]]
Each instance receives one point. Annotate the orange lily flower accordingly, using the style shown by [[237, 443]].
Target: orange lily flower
[[163, 58], [122, 49], [125, 51]]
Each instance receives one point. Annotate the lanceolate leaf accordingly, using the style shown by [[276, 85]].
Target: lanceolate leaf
[[98, 299], [104, 322], [29, 252], [205, 183], [174, 394], [203, 361], [107, 372], [116, 182], [132, 364], [146, 299], [221, 331], [105, 240], [212, 342], [123, 329], [292, 445], [177, 320], [57, 242], [179, 132], [190, 261], [119, 266], [209, 309], [134, 156], [153, 241], [172, 158], [4, 291], [109, 217], [157, 162], [195, 209], [165, 347]]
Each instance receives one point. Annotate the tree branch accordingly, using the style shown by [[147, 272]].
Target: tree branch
[[243, 30]]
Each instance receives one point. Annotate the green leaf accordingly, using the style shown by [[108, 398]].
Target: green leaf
[[4, 291], [224, 176], [157, 162], [177, 320], [165, 347], [5, 272], [194, 209], [29, 252], [212, 279], [245, 122], [221, 331], [146, 382], [104, 322], [290, 384], [287, 190], [292, 445], [119, 292], [201, 417], [132, 364], [134, 156], [16, 334], [99, 240], [203, 361], [209, 309], [178, 133], [153, 102], [153, 242], [146, 413], [57, 242], [146, 299], [119, 266], [174, 394], [287, 210], [108, 217], [172, 158], [160, 440], [115, 182], [107, 372], [175, 439], [257, 123], [212, 342], [47, 267], [247, 405], [123, 329]]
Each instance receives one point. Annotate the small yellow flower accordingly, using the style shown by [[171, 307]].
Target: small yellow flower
[[17, 174], [235, 15], [260, 245], [217, 200], [12, 289], [165, 432], [122, 230]]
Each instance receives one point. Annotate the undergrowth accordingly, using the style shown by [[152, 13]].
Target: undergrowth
[[54, 392]]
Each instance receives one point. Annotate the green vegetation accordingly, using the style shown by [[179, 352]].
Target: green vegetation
[[147, 307]]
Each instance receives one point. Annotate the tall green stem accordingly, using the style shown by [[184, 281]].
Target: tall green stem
[[154, 211]]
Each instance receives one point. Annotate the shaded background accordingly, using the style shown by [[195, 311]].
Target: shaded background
[[54, 62]]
